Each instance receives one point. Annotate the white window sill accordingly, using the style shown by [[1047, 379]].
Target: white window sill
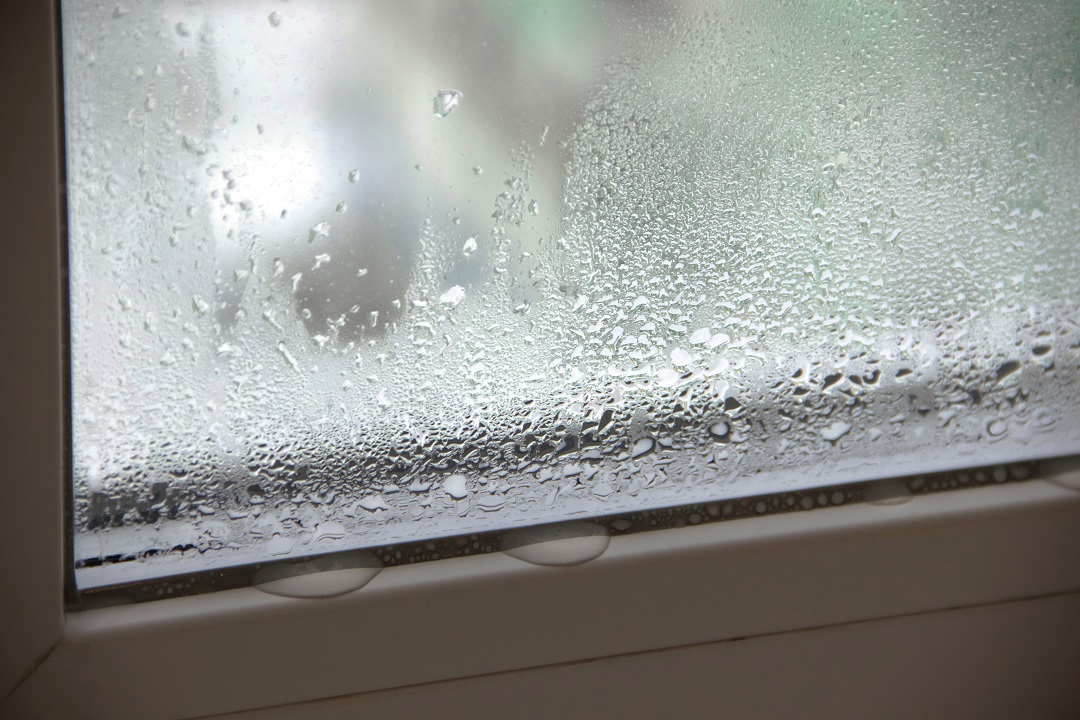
[[239, 649], [1006, 660]]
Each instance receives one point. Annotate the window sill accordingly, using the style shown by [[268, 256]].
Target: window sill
[[458, 618]]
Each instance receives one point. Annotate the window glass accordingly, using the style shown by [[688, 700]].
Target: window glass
[[353, 273]]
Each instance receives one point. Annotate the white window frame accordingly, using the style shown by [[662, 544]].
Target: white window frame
[[241, 649]]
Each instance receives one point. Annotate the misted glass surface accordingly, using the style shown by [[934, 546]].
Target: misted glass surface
[[353, 273]]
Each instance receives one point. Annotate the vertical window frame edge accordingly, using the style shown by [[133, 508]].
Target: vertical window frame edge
[[32, 537]]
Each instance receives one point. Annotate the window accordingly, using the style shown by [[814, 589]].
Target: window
[[1013, 541], [345, 275]]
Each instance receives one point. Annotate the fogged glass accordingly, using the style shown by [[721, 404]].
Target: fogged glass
[[353, 273]]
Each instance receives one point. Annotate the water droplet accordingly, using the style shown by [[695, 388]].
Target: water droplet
[[602, 489], [319, 231], [371, 503], [329, 530], [887, 492], [354, 176], [200, 306], [319, 578], [719, 430], [1062, 471], [641, 447], [716, 365], [469, 247], [478, 171], [560, 545], [278, 545], [719, 339], [456, 486], [699, 336], [667, 377], [341, 207], [491, 503], [288, 357], [534, 207], [274, 18], [996, 427], [453, 296], [445, 101], [183, 29], [1007, 368], [680, 357], [837, 430]]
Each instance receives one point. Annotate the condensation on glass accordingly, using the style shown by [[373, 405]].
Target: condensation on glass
[[353, 273]]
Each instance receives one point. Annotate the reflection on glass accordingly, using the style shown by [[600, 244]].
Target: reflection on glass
[[352, 273]]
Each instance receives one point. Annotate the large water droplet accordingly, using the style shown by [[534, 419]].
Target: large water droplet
[[720, 430], [837, 430], [1062, 471], [319, 578], [456, 486], [887, 492], [560, 545], [445, 101], [642, 447], [680, 357], [371, 503], [453, 296]]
